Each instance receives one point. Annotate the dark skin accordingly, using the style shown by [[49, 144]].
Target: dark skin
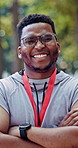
[[40, 137], [28, 55]]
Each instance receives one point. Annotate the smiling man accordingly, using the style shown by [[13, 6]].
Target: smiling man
[[38, 105], [42, 47]]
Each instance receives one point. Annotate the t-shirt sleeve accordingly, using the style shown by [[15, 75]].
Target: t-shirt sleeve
[[3, 97], [74, 95]]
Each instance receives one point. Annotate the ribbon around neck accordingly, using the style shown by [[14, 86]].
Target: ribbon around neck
[[46, 98]]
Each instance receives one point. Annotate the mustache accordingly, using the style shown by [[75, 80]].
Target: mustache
[[50, 66]]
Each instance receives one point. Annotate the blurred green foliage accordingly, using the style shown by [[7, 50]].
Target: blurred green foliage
[[63, 12]]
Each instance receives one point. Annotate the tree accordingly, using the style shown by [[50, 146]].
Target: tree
[[15, 18], [65, 15], [1, 60]]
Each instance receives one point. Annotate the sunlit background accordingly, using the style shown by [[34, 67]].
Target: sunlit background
[[65, 15]]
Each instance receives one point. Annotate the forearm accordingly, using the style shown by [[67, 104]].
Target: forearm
[[8, 141], [63, 137]]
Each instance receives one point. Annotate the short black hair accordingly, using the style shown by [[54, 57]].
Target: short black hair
[[34, 18]]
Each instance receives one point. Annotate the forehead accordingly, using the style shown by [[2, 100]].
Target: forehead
[[36, 29]]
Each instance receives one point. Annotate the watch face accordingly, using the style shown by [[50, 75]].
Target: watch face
[[25, 126]]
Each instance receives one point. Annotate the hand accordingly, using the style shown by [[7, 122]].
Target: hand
[[14, 131], [71, 119]]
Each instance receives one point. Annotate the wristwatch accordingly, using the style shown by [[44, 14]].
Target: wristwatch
[[23, 128]]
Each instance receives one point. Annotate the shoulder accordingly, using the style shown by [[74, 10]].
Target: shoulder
[[10, 83], [67, 87], [66, 78], [67, 82]]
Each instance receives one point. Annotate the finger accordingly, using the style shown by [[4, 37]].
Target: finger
[[73, 121], [76, 124], [70, 119], [70, 113]]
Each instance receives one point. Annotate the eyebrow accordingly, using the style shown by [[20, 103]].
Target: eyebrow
[[39, 35]]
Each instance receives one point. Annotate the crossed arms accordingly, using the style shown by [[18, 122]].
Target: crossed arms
[[65, 136]]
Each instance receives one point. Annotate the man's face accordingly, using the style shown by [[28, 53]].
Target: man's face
[[40, 57]]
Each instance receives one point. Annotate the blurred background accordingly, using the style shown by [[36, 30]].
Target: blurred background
[[65, 15]]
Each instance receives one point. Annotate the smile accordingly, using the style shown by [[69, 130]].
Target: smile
[[40, 56]]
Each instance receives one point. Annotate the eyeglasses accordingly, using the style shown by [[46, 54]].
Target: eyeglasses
[[46, 39]]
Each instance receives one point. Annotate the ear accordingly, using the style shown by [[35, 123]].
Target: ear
[[58, 46], [19, 52]]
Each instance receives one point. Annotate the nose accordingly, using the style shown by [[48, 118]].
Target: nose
[[39, 44]]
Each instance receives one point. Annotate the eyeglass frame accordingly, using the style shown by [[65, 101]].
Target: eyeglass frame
[[39, 38]]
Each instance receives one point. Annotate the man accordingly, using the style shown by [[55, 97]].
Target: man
[[39, 105]]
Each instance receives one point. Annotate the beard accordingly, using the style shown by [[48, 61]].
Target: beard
[[39, 70], [50, 66]]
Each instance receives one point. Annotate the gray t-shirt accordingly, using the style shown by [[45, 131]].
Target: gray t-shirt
[[14, 99]]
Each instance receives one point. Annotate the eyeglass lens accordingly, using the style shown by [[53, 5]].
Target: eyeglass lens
[[45, 39]]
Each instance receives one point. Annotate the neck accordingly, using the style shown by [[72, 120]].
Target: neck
[[38, 75]]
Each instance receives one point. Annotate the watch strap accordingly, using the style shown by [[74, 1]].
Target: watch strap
[[23, 130], [23, 134]]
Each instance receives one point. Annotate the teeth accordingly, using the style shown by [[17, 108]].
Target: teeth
[[40, 56]]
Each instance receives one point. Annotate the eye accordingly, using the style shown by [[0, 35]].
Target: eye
[[47, 38], [29, 41]]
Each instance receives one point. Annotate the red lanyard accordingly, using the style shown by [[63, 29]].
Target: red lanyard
[[46, 99]]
